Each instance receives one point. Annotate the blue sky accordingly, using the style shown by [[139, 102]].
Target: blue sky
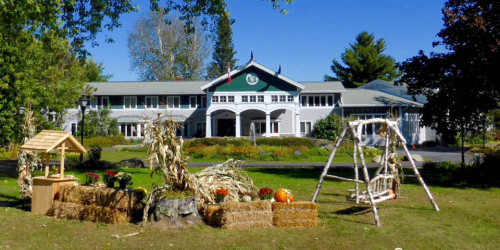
[[307, 39]]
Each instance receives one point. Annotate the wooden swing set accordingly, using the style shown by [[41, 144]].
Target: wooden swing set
[[385, 184]]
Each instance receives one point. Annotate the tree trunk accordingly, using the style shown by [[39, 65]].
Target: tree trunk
[[462, 135]]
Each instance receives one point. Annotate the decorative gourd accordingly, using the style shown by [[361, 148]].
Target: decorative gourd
[[280, 195], [290, 199]]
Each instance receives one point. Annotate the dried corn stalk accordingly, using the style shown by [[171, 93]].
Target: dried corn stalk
[[27, 161]]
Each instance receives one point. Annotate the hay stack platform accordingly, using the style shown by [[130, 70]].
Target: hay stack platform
[[296, 214]]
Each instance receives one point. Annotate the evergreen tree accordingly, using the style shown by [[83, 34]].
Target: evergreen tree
[[364, 63], [223, 49]]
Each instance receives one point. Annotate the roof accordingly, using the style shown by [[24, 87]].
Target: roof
[[322, 87], [252, 63], [366, 97], [149, 88], [47, 140], [400, 90]]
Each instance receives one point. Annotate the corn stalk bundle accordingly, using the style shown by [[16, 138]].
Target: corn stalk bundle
[[227, 175], [395, 164], [27, 161]]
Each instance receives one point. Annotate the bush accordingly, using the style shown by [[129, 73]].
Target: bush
[[328, 128], [285, 141], [6, 154], [105, 142]]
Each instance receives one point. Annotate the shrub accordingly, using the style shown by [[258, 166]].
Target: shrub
[[285, 141], [6, 154], [328, 128]]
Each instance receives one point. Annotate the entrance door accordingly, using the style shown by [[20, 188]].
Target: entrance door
[[226, 127]]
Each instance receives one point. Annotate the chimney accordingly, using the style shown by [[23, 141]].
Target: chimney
[[179, 78]]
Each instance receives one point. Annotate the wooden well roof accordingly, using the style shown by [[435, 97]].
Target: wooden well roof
[[48, 140]]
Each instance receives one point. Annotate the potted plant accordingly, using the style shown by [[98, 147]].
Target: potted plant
[[90, 178], [124, 179], [265, 193], [220, 195], [109, 177]]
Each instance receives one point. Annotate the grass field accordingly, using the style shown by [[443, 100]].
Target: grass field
[[469, 219]]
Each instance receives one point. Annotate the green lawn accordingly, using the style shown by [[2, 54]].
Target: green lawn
[[469, 219]]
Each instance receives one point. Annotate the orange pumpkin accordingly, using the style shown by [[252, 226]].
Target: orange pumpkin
[[280, 196], [291, 199]]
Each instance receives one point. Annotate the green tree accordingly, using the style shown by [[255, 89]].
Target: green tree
[[94, 72], [98, 123], [328, 128], [160, 48], [224, 52], [461, 86], [363, 62]]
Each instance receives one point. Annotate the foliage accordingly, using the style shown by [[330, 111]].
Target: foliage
[[461, 86], [90, 178], [109, 177], [39, 49], [220, 195], [328, 128], [266, 193], [91, 160], [285, 141], [364, 61], [6, 154], [224, 52], [98, 123], [161, 48]]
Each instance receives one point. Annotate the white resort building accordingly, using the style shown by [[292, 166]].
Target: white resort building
[[257, 97]]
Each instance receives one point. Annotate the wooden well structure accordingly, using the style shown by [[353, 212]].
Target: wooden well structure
[[45, 187]]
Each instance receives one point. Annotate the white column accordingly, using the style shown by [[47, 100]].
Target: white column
[[119, 127], [297, 124], [268, 124], [238, 125], [138, 130], [208, 126]]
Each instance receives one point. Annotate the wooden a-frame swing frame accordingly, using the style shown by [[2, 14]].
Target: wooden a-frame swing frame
[[355, 128]]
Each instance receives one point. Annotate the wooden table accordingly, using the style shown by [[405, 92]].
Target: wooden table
[[44, 191]]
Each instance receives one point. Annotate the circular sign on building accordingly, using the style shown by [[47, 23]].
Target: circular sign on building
[[252, 79]]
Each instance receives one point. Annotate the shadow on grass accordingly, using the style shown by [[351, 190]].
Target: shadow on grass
[[14, 202], [354, 210]]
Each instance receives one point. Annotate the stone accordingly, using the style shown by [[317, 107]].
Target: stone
[[132, 163], [377, 158], [415, 157], [176, 212]]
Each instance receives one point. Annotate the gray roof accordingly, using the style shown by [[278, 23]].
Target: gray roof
[[322, 87], [366, 97], [149, 88]]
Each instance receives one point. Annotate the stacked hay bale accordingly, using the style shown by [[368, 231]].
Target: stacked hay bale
[[107, 205], [240, 215], [296, 214]]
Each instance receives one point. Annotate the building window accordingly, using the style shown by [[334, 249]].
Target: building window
[[193, 102], [323, 100], [260, 98], [282, 98], [310, 101], [244, 98], [215, 98], [369, 129], [305, 128], [203, 102], [260, 127], [252, 98], [130, 102], [93, 103], [104, 102], [330, 100], [200, 129], [173, 102], [222, 98], [289, 98], [274, 98], [303, 102], [151, 102], [230, 98]]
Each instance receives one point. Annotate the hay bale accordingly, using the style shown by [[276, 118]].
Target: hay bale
[[73, 211], [239, 215], [124, 200], [296, 214]]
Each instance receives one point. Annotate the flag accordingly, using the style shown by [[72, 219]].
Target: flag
[[228, 74]]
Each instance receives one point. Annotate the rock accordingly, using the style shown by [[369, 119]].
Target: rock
[[416, 157], [377, 158], [175, 211], [132, 163]]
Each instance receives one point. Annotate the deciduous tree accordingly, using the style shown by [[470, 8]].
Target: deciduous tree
[[461, 86], [161, 48], [363, 62]]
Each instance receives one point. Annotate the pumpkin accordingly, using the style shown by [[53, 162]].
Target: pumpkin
[[283, 195], [280, 195]]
